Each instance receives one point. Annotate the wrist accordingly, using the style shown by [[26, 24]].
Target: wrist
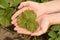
[[50, 7]]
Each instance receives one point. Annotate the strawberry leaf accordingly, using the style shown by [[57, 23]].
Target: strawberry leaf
[[4, 4], [27, 20]]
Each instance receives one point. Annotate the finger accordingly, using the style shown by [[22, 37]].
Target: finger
[[37, 33], [19, 12], [23, 4], [44, 27], [22, 31], [31, 5], [14, 21]]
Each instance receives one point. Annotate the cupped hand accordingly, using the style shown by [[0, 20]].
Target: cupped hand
[[46, 22], [14, 21], [29, 5]]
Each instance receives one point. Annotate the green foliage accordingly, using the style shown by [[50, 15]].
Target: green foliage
[[51, 39], [44, 0], [15, 3], [52, 34], [4, 4], [5, 17], [55, 27], [7, 10], [2, 12], [58, 38], [27, 20], [37, 38], [40, 1]]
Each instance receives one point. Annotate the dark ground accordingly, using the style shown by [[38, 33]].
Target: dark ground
[[9, 34]]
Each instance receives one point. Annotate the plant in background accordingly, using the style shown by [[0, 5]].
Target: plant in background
[[54, 32], [7, 10]]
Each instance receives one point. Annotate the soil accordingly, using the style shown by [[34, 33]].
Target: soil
[[8, 35]]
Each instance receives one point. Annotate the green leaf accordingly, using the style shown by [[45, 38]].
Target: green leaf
[[15, 2], [58, 38], [36, 0], [51, 38], [21, 20], [52, 34], [44, 0], [55, 27], [5, 20], [58, 32], [31, 26], [37, 38], [30, 15], [2, 12], [9, 12], [27, 20], [3, 4]]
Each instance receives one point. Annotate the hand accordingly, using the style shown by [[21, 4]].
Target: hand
[[14, 21], [34, 6], [42, 8], [39, 10], [47, 20], [22, 8]]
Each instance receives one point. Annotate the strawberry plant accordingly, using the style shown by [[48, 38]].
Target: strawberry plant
[[28, 20]]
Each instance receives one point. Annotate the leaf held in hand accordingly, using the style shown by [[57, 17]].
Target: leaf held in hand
[[27, 20]]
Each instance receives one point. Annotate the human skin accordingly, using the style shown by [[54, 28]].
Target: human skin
[[42, 10], [46, 22]]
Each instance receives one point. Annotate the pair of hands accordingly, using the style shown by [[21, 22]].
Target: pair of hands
[[43, 18]]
